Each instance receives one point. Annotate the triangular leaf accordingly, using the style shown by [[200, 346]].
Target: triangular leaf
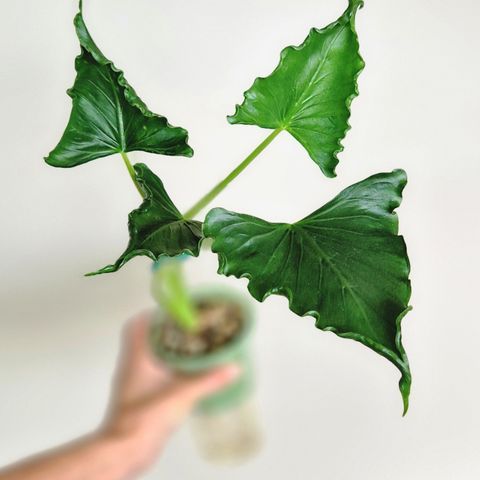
[[344, 264], [107, 115], [157, 228], [310, 92]]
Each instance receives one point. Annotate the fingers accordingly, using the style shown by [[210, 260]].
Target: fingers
[[135, 336], [138, 373], [136, 349], [141, 378]]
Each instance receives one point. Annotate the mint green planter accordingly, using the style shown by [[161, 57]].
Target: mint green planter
[[236, 351]]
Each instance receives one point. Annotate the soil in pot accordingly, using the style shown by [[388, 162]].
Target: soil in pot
[[219, 322]]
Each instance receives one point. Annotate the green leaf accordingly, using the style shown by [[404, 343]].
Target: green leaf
[[344, 264], [310, 92], [157, 228], [107, 115]]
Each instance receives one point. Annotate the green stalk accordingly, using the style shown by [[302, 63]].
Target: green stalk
[[131, 171], [172, 294], [208, 197]]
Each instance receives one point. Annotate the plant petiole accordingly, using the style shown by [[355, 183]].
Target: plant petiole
[[131, 171], [219, 187]]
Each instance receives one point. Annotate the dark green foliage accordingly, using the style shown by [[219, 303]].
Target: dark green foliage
[[344, 264], [157, 228], [107, 115], [310, 92]]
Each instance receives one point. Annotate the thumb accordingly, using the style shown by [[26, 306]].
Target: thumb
[[178, 399], [185, 392]]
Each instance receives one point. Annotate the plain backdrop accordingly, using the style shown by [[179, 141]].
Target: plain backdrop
[[329, 407]]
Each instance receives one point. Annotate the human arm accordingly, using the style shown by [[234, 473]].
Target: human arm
[[148, 402]]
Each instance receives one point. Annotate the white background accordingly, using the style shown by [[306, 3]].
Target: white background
[[330, 407]]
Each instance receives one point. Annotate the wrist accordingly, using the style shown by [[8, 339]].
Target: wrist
[[121, 459]]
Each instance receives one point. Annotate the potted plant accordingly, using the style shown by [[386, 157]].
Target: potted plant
[[344, 264]]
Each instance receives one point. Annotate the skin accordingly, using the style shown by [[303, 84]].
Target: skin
[[148, 402]]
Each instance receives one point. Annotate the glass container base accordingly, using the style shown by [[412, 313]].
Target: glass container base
[[228, 437]]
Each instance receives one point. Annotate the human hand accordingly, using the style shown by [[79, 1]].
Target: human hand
[[148, 401], [147, 404]]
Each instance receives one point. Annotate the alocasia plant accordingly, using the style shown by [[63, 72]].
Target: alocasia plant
[[343, 264]]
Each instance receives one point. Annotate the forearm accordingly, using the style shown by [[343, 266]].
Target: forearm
[[98, 456]]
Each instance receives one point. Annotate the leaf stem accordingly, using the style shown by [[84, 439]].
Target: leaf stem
[[131, 171], [208, 197], [172, 293]]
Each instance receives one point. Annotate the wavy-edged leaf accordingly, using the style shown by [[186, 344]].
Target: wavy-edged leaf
[[310, 92], [107, 116], [157, 228], [344, 264]]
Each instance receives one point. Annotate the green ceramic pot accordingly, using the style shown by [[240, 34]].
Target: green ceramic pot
[[236, 351]]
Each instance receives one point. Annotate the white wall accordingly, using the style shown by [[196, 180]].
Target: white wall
[[330, 407]]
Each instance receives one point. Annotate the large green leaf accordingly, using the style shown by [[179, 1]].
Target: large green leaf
[[310, 92], [344, 264], [157, 228], [107, 115]]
